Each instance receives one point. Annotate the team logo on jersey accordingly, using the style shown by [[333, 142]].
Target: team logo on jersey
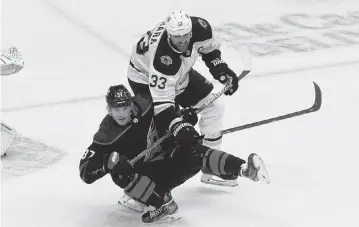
[[167, 60], [203, 23]]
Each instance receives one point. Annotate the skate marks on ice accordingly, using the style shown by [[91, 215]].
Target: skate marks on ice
[[293, 33], [309, 42], [25, 156], [305, 69]]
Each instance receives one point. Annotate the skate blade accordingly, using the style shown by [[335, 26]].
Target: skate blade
[[262, 170], [218, 182], [132, 208], [168, 218]]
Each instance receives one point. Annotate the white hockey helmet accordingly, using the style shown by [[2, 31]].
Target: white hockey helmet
[[178, 23]]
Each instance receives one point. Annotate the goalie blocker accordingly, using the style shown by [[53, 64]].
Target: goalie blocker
[[127, 130]]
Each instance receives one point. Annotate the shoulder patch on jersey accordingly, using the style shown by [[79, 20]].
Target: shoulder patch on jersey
[[201, 29], [166, 61]]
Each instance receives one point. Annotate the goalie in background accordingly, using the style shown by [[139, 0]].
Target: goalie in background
[[11, 61], [127, 130]]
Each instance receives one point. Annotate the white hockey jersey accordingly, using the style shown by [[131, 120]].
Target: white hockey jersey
[[156, 63]]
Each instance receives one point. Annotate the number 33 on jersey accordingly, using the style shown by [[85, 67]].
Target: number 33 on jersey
[[156, 63], [158, 81]]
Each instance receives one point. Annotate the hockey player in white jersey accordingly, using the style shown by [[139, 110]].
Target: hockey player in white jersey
[[162, 65]]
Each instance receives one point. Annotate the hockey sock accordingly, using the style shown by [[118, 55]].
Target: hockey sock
[[221, 163], [142, 189], [233, 164], [155, 200]]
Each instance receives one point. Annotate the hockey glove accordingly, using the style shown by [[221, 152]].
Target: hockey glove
[[118, 164], [220, 71], [189, 115], [185, 134]]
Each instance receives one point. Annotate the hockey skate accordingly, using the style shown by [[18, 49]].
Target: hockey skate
[[166, 213], [131, 204], [255, 169], [223, 181]]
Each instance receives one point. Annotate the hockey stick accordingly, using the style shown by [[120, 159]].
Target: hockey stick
[[247, 66], [315, 107], [168, 134]]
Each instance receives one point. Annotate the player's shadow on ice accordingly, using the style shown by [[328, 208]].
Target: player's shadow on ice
[[199, 197], [114, 216], [210, 190]]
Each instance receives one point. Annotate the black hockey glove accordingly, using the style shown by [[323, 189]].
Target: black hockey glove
[[118, 164], [220, 71], [189, 115], [185, 134]]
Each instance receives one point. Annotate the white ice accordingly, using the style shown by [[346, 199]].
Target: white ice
[[75, 49]]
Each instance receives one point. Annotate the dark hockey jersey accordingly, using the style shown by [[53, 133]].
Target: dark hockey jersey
[[164, 69], [127, 140]]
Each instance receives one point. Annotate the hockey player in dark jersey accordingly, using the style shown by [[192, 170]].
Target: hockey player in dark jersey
[[128, 129], [162, 65]]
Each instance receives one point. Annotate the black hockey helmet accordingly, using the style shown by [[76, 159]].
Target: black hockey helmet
[[118, 95]]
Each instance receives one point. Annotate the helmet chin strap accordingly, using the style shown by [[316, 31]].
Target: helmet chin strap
[[134, 112], [172, 46]]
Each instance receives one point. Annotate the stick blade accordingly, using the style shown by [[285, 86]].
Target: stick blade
[[318, 98], [246, 61]]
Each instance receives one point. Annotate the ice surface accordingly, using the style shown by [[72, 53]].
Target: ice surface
[[74, 50]]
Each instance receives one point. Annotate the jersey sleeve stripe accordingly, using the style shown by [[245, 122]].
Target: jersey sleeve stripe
[[161, 103], [133, 66], [162, 106]]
